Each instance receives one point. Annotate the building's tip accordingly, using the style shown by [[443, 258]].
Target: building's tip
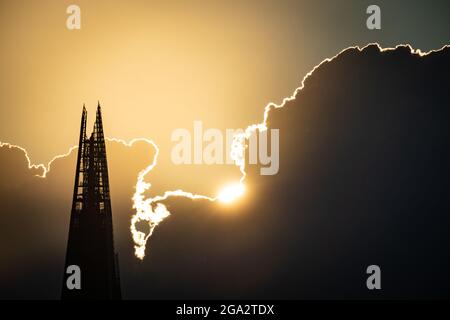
[[98, 104]]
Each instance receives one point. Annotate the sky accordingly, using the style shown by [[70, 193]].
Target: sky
[[157, 66]]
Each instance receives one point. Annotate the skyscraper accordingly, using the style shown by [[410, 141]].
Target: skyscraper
[[90, 245]]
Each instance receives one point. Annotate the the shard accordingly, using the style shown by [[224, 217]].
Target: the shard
[[90, 245]]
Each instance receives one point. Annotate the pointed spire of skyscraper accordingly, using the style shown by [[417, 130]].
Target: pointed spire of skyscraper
[[90, 244]]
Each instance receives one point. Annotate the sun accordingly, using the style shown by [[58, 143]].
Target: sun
[[231, 193]]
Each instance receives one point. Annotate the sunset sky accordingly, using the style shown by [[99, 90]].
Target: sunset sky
[[363, 147], [159, 65]]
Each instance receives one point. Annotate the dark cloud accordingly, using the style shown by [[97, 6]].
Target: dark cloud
[[363, 180]]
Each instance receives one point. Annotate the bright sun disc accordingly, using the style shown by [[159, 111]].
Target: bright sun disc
[[231, 193]]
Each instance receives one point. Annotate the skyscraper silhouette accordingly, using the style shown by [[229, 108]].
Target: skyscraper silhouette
[[90, 244]]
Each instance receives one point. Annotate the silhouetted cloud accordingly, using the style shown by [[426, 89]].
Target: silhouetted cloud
[[364, 171]]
